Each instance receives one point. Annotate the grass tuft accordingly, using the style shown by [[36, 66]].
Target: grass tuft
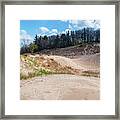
[[40, 72], [90, 74]]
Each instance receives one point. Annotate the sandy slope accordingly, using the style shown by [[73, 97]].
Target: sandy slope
[[60, 87], [65, 86], [82, 62]]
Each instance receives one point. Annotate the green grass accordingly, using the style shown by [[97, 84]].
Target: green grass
[[40, 72]]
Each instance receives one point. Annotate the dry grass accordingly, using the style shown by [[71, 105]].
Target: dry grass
[[32, 66], [90, 73]]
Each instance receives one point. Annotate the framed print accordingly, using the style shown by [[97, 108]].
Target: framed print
[[59, 60]]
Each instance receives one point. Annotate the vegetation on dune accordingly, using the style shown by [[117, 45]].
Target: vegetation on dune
[[90, 73], [37, 65], [32, 66], [39, 72]]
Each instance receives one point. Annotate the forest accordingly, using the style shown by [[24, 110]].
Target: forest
[[70, 38]]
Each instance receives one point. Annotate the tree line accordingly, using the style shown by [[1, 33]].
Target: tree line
[[70, 38]]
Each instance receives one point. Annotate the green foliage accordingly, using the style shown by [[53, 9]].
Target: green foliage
[[33, 47], [42, 72], [39, 72], [70, 38]]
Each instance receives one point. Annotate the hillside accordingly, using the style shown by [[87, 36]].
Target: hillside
[[80, 60], [74, 51]]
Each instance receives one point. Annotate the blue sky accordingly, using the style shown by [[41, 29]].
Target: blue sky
[[28, 28]]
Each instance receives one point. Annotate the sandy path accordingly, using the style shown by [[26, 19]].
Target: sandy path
[[60, 87]]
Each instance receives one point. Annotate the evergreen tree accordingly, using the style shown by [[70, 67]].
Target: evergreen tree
[[67, 39]]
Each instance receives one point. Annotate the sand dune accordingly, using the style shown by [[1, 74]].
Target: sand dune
[[81, 81], [85, 62]]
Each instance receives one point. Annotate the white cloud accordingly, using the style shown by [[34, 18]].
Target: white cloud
[[23, 32], [24, 35], [54, 30], [79, 24], [45, 31], [25, 38], [93, 23]]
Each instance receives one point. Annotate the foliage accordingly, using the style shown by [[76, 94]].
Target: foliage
[[70, 38], [33, 47], [39, 72]]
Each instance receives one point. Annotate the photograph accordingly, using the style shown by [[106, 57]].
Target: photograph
[[59, 59]]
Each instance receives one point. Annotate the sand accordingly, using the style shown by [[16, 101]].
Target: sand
[[60, 87]]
